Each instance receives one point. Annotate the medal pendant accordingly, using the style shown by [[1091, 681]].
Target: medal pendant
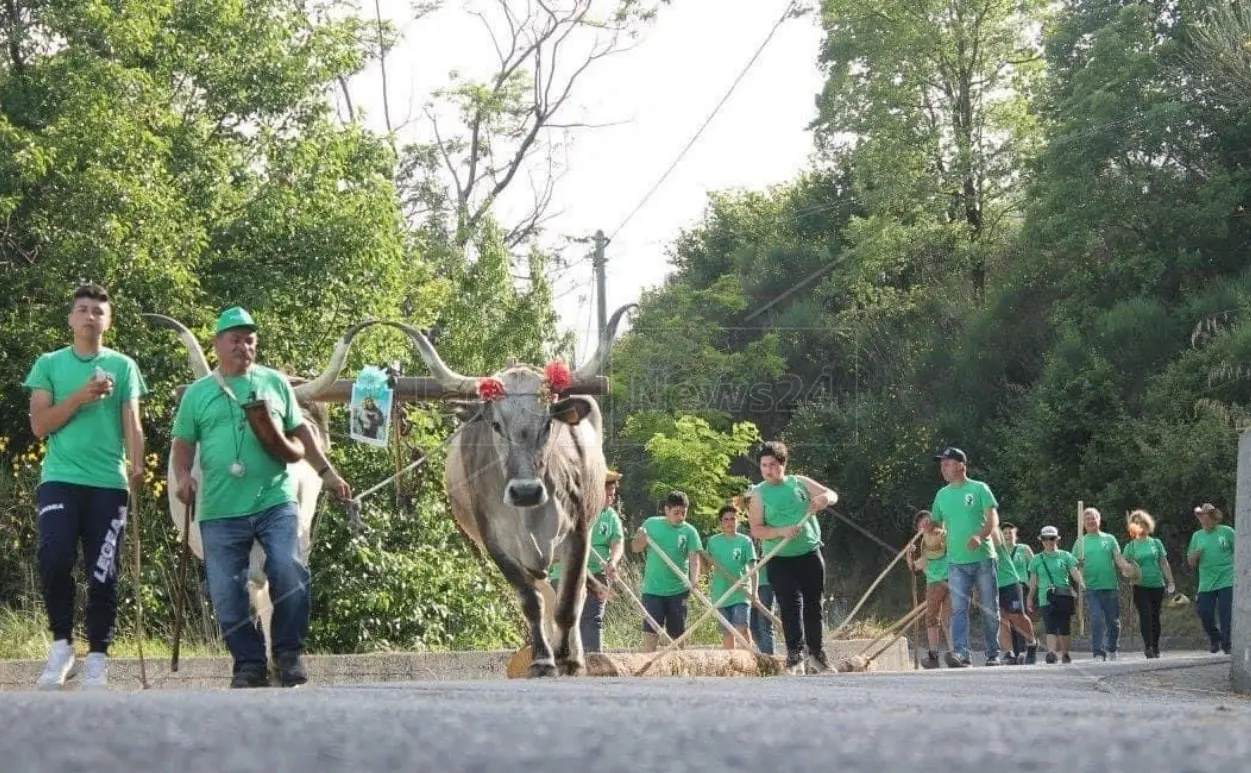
[[237, 469]]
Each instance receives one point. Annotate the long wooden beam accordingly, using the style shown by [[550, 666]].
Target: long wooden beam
[[416, 389]]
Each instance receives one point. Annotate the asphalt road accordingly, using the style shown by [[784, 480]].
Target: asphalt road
[[1096, 717]]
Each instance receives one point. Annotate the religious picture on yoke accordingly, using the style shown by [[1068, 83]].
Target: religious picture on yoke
[[370, 410]]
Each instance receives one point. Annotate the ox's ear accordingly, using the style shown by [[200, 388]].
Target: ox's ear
[[571, 410], [465, 410]]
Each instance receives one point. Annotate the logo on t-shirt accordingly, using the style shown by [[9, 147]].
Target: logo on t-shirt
[[968, 500], [681, 542], [738, 554], [603, 528]]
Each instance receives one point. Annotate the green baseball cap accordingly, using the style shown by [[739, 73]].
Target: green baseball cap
[[235, 316]]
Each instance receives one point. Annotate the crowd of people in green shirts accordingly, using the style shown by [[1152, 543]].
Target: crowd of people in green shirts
[[962, 546], [965, 553]]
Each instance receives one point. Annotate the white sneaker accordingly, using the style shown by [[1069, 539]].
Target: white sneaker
[[95, 674], [1111, 656], [60, 662]]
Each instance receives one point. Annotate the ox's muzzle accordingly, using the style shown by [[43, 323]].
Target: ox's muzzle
[[525, 492]]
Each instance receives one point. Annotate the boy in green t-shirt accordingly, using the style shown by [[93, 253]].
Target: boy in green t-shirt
[[732, 555], [1212, 551], [84, 401], [664, 592]]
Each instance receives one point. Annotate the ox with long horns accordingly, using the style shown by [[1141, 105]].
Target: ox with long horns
[[308, 483], [525, 478]]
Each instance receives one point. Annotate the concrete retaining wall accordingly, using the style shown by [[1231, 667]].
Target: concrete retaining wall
[[214, 673]]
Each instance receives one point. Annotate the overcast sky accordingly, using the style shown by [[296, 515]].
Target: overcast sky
[[657, 95]]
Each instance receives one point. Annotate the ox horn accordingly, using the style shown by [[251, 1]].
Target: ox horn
[[199, 363], [310, 389], [450, 380], [592, 367]]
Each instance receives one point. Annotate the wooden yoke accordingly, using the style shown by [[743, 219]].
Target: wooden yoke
[[417, 389]]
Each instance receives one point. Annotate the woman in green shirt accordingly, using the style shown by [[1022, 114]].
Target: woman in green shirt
[[1148, 574], [1212, 551]]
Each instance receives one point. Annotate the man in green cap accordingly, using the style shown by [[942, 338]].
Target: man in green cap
[[246, 495]]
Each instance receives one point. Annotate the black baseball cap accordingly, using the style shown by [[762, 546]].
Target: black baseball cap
[[955, 454]]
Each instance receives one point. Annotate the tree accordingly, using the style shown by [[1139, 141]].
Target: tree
[[509, 126], [694, 458], [928, 103]]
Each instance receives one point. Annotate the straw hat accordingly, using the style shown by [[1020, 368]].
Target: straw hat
[[612, 477]]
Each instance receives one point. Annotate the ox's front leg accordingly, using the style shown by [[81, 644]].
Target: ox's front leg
[[542, 663], [570, 658]]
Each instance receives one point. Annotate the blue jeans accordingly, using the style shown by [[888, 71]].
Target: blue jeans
[[1105, 620], [761, 626], [1208, 604], [962, 578], [227, 545]]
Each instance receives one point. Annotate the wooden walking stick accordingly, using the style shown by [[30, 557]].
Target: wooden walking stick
[[182, 580], [134, 519], [916, 624], [1081, 528]]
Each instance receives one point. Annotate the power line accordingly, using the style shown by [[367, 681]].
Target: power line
[[750, 63]]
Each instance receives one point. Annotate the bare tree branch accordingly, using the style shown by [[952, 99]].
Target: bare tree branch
[[543, 50]]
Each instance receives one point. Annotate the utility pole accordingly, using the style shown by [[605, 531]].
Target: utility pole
[[599, 263]]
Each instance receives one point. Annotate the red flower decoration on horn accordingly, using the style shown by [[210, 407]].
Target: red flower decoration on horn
[[490, 388], [558, 376]]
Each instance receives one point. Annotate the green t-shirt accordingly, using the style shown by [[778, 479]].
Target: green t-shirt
[[1216, 557], [1058, 562], [1146, 553], [963, 509], [785, 504], [90, 449], [1021, 556], [677, 542], [736, 554], [207, 416], [1006, 569], [936, 569], [1096, 554], [605, 530]]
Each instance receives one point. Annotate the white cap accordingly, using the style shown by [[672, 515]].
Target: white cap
[[1049, 531]]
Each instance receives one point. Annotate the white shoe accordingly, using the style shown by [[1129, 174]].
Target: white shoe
[[60, 662], [95, 675], [1111, 656]]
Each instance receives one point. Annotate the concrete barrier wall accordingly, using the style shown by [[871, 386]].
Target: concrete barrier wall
[[214, 673], [1240, 653]]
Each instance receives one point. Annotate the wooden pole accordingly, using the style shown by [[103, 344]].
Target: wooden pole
[[754, 571], [699, 595], [876, 582], [755, 600], [1081, 617], [417, 389], [916, 624]]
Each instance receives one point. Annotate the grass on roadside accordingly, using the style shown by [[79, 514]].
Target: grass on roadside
[[24, 635]]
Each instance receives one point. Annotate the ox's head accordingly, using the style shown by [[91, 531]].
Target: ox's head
[[522, 406]]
